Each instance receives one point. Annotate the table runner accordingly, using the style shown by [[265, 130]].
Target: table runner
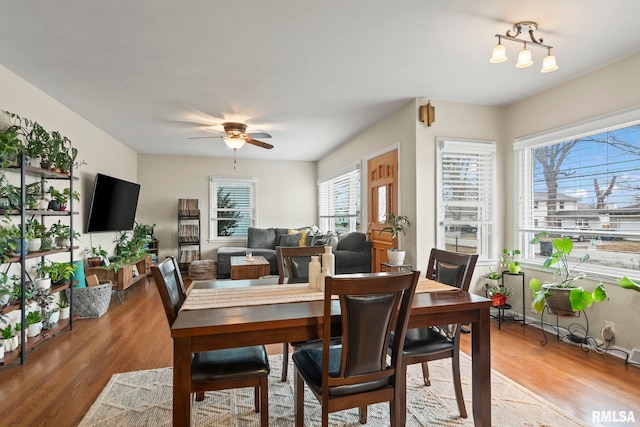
[[199, 299]]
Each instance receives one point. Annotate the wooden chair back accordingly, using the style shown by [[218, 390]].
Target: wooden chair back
[[170, 285], [451, 268], [293, 262]]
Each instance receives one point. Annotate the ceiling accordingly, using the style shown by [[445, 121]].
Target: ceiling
[[312, 73]]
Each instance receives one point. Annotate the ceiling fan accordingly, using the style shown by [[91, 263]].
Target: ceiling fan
[[236, 136]]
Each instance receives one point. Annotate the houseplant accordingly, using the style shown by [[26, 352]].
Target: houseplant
[[395, 225], [498, 294], [34, 231], [9, 338], [510, 260], [97, 254], [61, 233], [64, 309], [563, 296], [59, 199], [34, 323], [61, 271]]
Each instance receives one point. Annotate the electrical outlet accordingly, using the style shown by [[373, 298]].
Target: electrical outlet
[[608, 324]]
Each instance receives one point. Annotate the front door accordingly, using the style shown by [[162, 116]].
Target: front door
[[382, 184]]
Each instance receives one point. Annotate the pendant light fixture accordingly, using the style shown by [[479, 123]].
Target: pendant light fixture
[[524, 57]]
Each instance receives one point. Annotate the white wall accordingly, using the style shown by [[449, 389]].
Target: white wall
[[287, 194], [607, 90]]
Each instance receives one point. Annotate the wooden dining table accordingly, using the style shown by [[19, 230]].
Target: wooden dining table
[[229, 326]]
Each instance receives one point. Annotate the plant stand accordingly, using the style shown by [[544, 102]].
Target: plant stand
[[126, 276], [512, 277], [568, 336]]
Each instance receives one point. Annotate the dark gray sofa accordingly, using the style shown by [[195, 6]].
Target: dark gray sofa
[[352, 250]]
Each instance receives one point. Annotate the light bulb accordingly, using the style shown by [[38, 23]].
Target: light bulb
[[234, 142], [524, 58], [549, 64]]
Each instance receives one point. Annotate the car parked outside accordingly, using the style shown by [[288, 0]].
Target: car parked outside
[[466, 228]]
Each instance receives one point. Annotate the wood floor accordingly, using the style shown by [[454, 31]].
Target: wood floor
[[61, 380]]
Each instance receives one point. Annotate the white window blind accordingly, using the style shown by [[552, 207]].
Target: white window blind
[[339, 202], [465, 196], [586, 187], [232, 207]]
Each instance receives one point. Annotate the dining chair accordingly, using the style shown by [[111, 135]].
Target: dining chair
[[293, 267], [218, 369], [422, 345], [356, 372]]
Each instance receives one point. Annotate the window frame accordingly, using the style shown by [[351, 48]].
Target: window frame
[[355, 189], [522, 230], [214, 181], [485, 236]]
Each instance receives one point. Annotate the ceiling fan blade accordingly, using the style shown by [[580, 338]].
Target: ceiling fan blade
[[259, 135], [259, 143]]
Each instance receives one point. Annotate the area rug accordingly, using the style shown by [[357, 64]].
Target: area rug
[[144, 398]]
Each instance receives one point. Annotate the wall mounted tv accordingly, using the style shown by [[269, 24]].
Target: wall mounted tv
[[113, 205]]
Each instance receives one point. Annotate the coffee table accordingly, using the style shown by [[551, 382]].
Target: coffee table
[[249, 268]]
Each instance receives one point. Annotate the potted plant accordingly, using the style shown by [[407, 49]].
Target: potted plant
[[97, 255], [9, 338], [34, 323], [43, 274], [563, 296], [510, 260], [64, 309], [35, 137], [61, 271], [61, 233], [395, 225], [10, 147], [60, 198], [34, 231], [498, 295]]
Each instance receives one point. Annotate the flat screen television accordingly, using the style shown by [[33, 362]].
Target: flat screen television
[[113, 205]]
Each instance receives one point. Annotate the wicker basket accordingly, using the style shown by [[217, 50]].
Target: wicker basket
[[92, 301], [206, 269]]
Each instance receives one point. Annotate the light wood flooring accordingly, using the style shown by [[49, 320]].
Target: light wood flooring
[[61, 379]]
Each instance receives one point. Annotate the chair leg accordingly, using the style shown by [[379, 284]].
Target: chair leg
[[200, 396], [298, 390], [457, 385], [285, 361], [398, 413], [363, 414], [425, 373], [256, 398], [264, 401]]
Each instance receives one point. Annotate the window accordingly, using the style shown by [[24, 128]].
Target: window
[[465, 196], [339, 202], [585, 180], [232, 207]]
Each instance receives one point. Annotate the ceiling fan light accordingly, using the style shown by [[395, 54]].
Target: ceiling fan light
[[499, 54], [234, 142], [549, 64], [524, 58]]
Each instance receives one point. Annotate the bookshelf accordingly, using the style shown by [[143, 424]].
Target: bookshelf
[[188, 232]]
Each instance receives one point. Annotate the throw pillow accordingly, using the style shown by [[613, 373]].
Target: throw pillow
[[261, 238], [303, 235], [279, 233], [290, 240], [351, 241]]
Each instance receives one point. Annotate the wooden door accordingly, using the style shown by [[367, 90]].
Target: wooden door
[[382, 184]]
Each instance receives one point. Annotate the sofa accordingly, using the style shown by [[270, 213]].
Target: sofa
[[352, 250]]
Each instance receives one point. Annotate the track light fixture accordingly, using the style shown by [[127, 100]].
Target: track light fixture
[[524, 57]]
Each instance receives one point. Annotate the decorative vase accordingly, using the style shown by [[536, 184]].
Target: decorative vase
[[34, 244], [34, 329], [65, 312], [46, 243], [314, 271], [329, 260], [22, 246], [395, 257], [44, 283], [498, 300]]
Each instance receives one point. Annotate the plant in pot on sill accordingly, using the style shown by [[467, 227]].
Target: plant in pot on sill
[[510, 260], [563, 296], [96, 256], [395, 225]]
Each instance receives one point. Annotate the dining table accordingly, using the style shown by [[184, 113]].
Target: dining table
[[219, 314]]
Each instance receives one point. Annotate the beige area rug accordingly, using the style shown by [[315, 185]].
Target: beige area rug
[[143, 398]]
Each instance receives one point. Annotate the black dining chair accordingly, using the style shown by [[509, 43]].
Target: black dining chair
[[422, 345], [356, 373], [293, 267], [218, 369]]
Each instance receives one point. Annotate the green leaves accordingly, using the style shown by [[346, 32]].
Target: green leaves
[[627, 283]]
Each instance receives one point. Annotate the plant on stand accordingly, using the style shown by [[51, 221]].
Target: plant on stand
[[395, 225], [510, 260], [563, 295], [499, 294], [97, 255]]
